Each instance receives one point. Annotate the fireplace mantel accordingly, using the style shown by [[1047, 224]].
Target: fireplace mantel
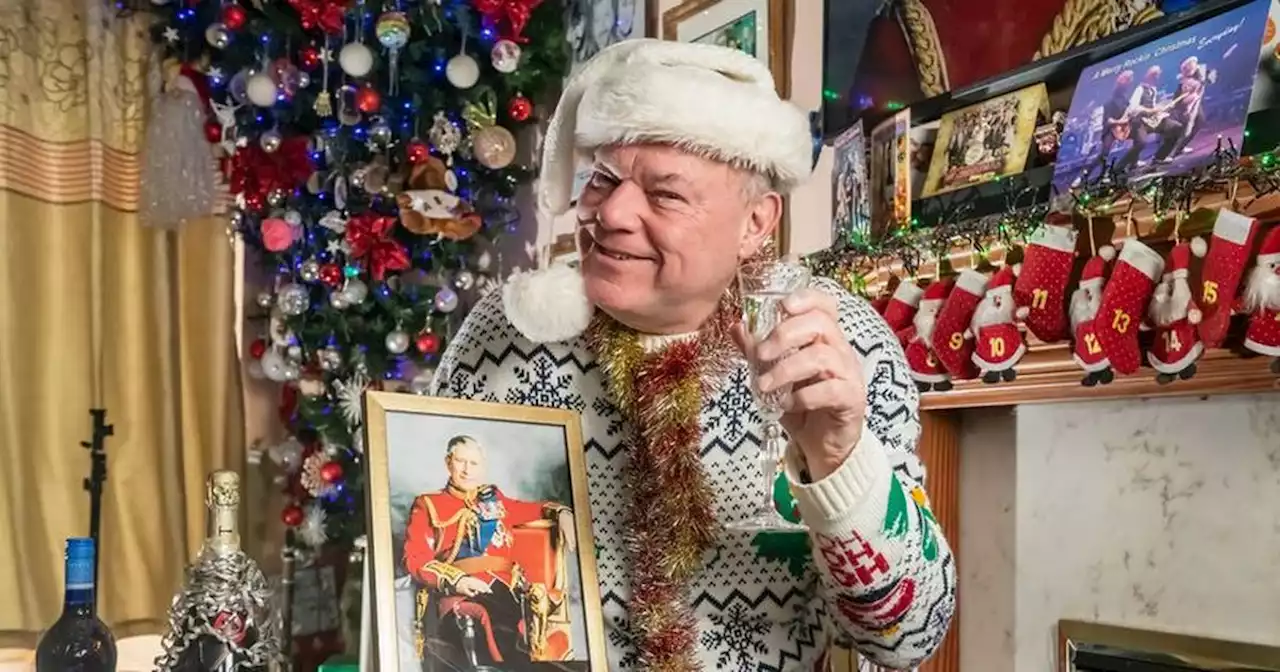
[[1048, 374]]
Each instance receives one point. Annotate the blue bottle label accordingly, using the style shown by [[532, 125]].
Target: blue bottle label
[[80, 564]]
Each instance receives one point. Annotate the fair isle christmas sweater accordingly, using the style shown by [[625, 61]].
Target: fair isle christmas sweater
[[874, 574]]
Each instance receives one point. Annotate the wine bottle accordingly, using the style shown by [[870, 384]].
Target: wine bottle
[[221, 620], [78, 641]]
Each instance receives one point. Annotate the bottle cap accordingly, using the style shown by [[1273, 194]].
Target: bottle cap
[[80, 548]]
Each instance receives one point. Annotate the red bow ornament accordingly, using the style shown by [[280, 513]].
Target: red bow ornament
[[328, 15], [369, 238], [255, 172], [510, 16]]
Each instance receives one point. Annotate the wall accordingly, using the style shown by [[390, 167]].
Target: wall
[[1153, 514]]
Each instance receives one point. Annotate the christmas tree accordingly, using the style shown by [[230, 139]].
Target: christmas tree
[[368, 149]]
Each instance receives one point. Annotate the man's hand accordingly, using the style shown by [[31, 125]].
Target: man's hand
[[568, 531], [470, 586], [828, 400]]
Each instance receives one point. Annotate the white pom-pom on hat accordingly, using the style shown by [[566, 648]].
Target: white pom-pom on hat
[[1198, 246], [1107, 252], [548, 305]]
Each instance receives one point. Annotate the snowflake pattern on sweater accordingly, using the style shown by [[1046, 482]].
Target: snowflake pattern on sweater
[[882, 579]]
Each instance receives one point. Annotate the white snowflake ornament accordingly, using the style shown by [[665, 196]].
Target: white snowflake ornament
[[312, 531], [350, 393]]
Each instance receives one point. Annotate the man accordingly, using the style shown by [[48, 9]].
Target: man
[[460, 546], [1115, 127], [1149, 120], [1187, 109], [692, 155]]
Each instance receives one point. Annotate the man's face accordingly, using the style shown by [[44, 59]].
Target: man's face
[[662, 232], [466, 465]]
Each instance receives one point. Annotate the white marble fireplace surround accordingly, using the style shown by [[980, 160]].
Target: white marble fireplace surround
[[1161, 514]]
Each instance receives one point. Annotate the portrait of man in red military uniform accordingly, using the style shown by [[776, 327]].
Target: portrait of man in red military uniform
[[462, 546]]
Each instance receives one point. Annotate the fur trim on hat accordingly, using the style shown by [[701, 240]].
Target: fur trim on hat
[[715, 101]]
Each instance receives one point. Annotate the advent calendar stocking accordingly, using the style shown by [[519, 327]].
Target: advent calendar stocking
[[1224, 266], [952, 342], [1041, 289], [902, 305], [1124, 303]]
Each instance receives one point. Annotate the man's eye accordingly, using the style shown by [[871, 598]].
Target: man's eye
[[667, 196], [601, 180]]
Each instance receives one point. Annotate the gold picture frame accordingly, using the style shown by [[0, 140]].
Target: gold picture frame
[[711, 20], [452, 576], [985, 141]]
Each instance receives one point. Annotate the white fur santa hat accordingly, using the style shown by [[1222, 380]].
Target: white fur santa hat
[[715, 101]]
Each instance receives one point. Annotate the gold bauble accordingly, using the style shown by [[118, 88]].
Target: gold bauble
[[494, 147]]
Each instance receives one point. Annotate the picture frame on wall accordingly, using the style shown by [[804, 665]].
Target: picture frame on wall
[[480, 537], [760, 28], [596, 24]]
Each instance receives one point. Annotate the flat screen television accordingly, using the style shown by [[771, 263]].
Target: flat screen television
[[938, 55]]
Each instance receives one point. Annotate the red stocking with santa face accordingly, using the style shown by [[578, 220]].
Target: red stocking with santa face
[[1086, 349], [998, 344], [952, 340], [1124, 302], [1176, 345], [1224, 267], [1041, 290]]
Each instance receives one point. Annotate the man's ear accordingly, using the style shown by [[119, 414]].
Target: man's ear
[[762, 220]]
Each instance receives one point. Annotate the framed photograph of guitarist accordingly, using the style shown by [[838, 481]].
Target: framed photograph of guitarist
[[1160, 109]]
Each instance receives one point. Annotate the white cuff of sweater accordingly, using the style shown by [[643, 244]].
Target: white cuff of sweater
[[847, 494]]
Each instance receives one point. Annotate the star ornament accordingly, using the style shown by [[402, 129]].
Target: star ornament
[[171, 35]]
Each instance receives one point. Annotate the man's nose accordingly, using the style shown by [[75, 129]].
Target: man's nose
[[620, 210]]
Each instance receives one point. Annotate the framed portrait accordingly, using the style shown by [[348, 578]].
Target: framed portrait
[[480, 537], [760, 28], [596, 24]]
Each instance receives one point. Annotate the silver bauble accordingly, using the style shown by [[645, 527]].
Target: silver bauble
[[397, 342], [292, 371], [277, 197], [339, 300], [462, 71], [446, 300], [293, 299], [355, 291], [484, 260], [293, 217], [380, 131], [464, 280], [270, 140], [294, 352], [235, 218], [266, 300], [309, 271], [330, 358], [274, 366], [304, 80], [356, 59], [218, 36]]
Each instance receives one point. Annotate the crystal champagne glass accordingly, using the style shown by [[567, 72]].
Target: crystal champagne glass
[[762, 287]]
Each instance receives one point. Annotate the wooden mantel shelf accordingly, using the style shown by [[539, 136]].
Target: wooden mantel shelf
[[1048, 374]]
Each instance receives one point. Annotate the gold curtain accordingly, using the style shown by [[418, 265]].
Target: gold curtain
[[97, 311]]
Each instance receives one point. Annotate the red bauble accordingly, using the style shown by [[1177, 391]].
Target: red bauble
[[368, 100], [309, 58], [257, 348], [233, 17], [331, 274], [253, 201], [331, 472], [519, 108], [292, 515], [427, 343], [417, 151], [213, 131]]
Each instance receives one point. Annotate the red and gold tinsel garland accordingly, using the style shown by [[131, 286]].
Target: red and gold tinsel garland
[[671, 521]]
